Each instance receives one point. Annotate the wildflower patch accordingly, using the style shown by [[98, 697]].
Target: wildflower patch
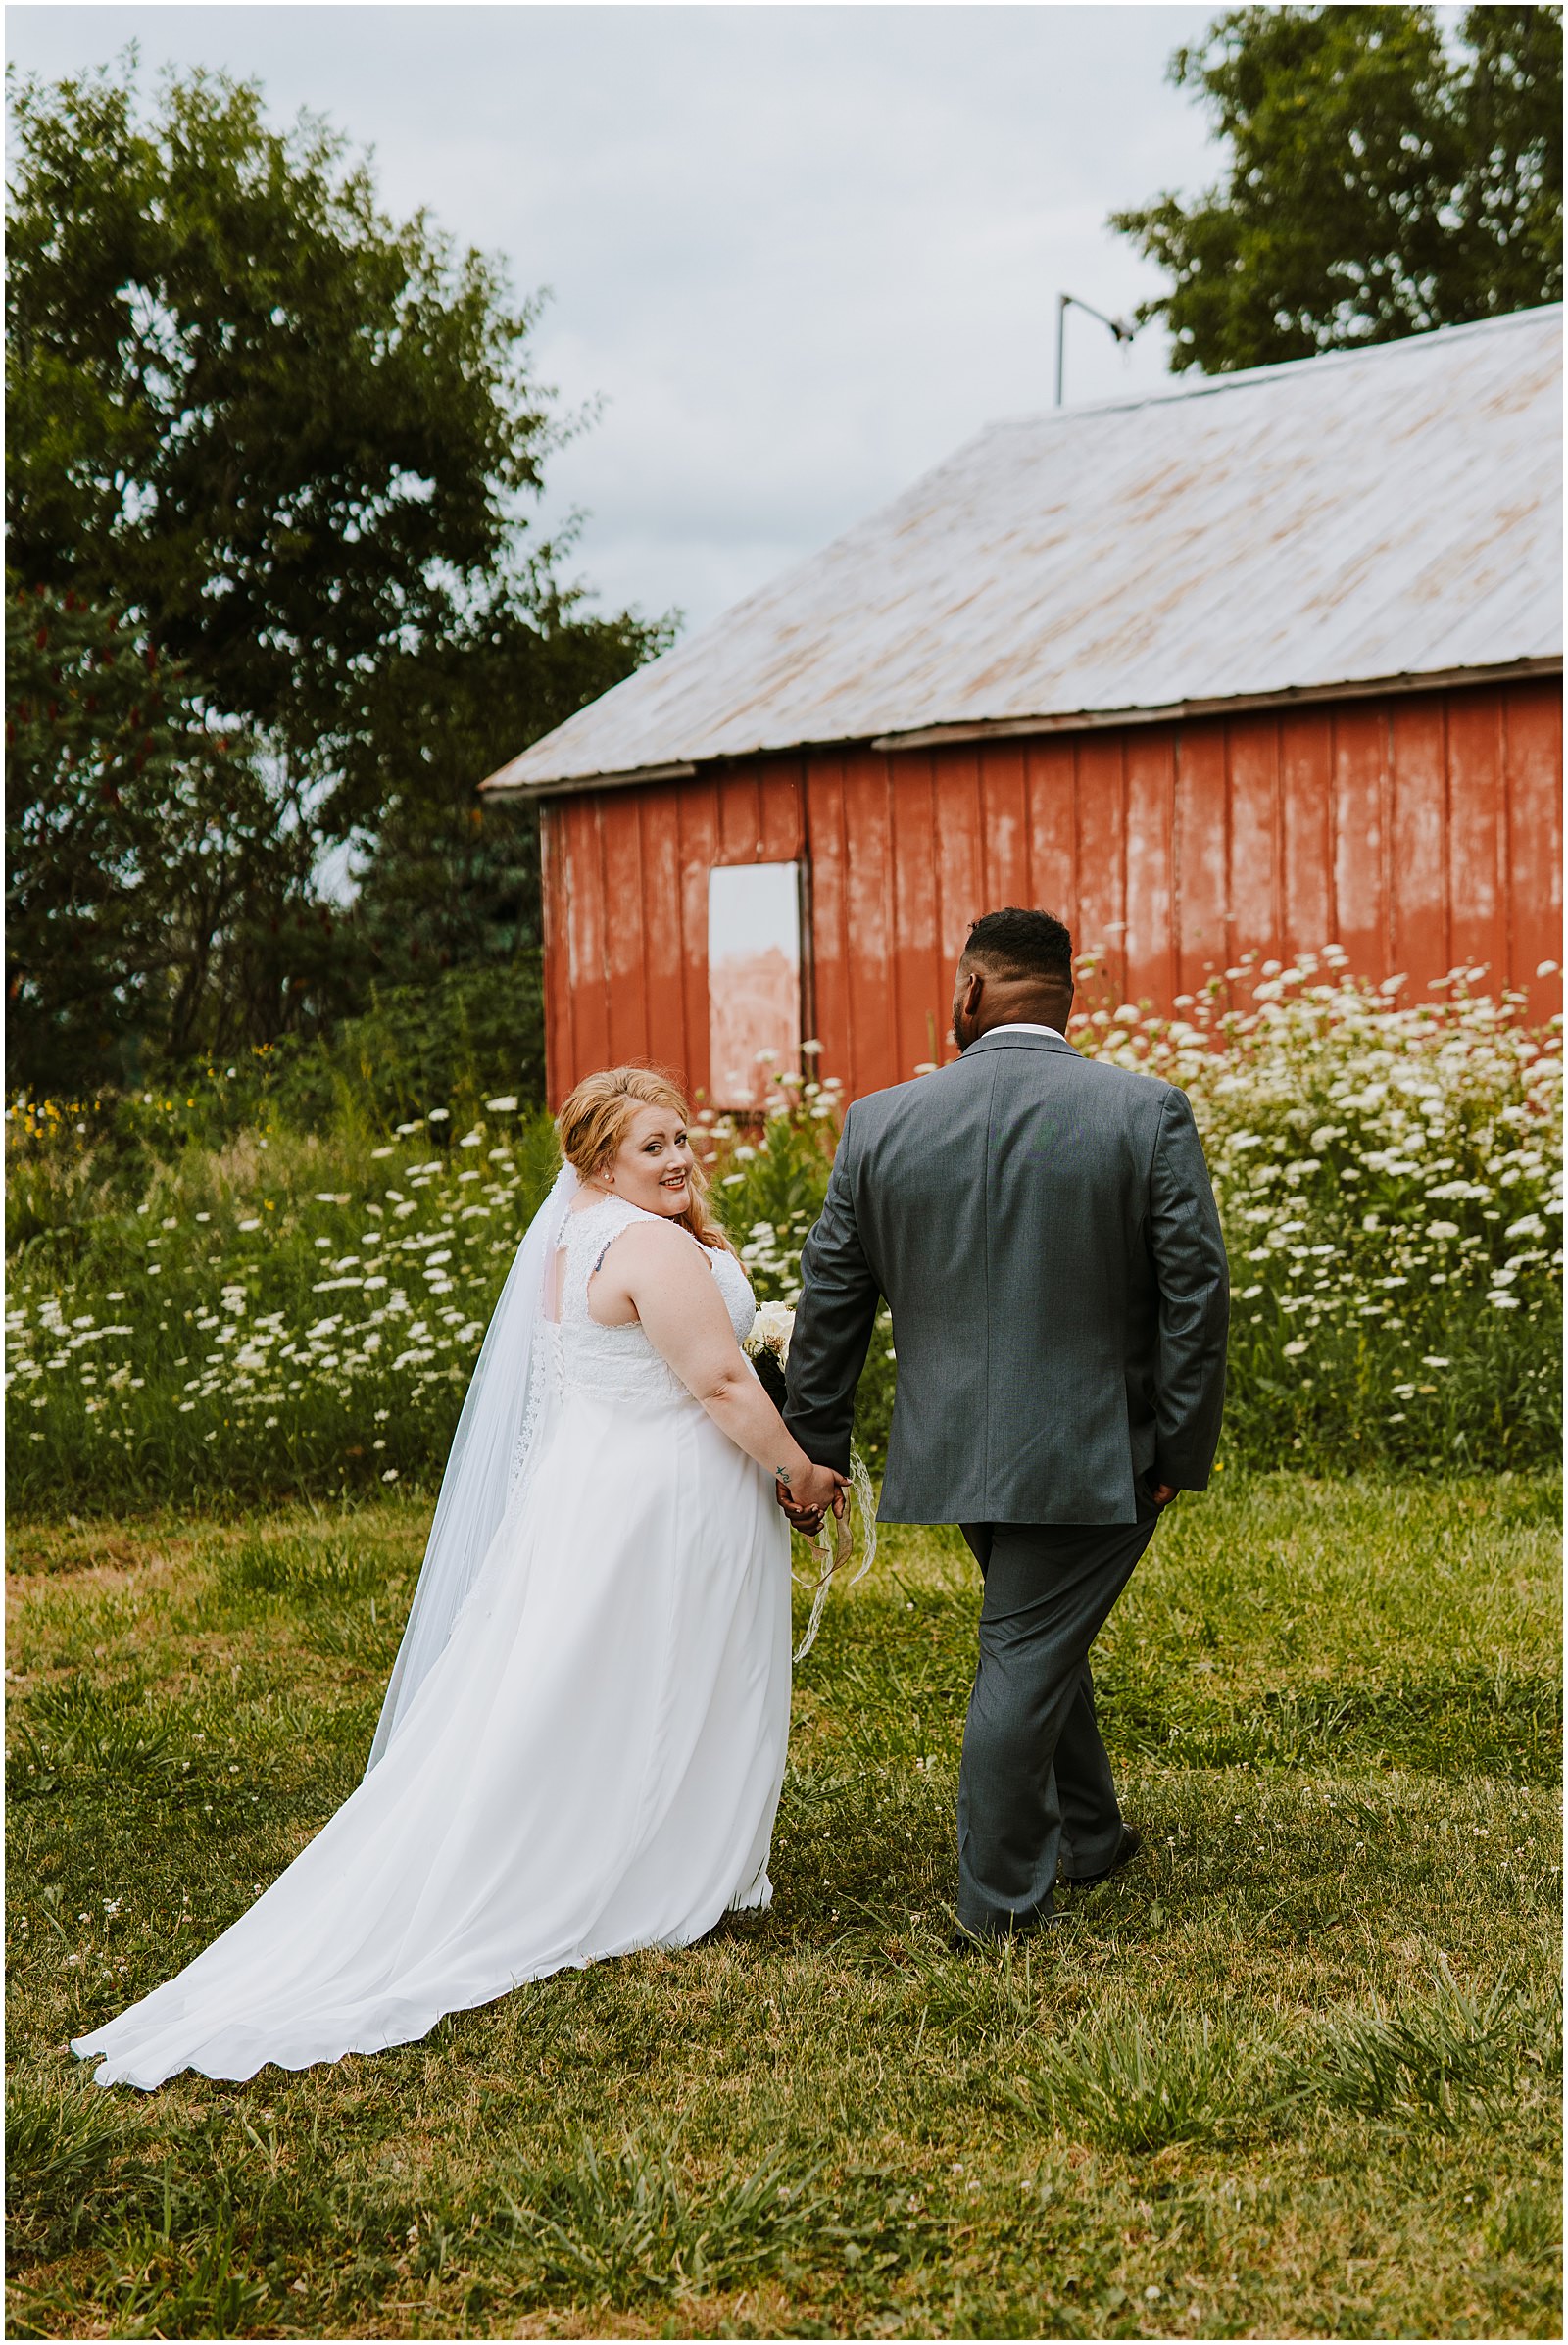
[[302, 1311]]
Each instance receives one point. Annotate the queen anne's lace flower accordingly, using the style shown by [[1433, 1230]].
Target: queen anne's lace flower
[[1384, 1167]]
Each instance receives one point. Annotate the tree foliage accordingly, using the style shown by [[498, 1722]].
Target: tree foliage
[[281, 448], [244, 405], [1379, 181], [157, 890], [450, 878]]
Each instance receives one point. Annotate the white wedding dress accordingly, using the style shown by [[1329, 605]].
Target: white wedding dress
[[591, 1765]]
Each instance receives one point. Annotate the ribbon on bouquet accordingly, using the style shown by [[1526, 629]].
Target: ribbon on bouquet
[[768, 1348], [833, 1545]]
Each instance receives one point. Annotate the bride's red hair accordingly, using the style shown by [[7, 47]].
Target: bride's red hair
[[593, 1122]]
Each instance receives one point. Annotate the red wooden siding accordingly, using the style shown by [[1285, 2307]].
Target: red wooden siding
[[1417, 832], [625, 883], [1531, 742]]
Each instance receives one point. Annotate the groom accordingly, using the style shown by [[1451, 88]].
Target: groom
[[1044, 1231]]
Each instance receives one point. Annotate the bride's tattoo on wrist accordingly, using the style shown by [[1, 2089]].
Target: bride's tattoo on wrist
[[782, 1474]]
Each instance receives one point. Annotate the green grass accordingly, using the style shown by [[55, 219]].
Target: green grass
[[1294, 2073]]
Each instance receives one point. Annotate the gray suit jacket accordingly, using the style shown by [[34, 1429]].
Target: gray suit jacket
[[1044, 1231]]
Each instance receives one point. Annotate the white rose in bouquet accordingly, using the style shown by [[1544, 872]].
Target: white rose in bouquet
[[771, 1331], [767, 1347]]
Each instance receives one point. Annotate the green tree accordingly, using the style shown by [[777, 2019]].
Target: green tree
[[1379, 182], [286, 432], [449, 878], [157, 888], [292, 443]]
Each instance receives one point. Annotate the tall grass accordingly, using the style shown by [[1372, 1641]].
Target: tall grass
[[200, 1304], [1390, 1178]]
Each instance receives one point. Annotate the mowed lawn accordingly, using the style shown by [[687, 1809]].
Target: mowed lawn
[[1297, 2074]]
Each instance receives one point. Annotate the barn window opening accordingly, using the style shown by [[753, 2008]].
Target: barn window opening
[[753, 980]]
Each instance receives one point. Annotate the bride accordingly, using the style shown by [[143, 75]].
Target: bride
[[583, 1738]]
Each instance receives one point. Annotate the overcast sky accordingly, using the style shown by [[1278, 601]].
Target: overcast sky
[[800, 252]]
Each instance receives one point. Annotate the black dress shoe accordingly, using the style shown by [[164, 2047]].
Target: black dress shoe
[[986, 1942], [1132, 1840]]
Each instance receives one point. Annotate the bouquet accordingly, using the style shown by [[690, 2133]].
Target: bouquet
[[767, 1347]]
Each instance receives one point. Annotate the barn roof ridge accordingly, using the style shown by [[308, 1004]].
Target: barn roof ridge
[[1204, 386], [1351, 527]]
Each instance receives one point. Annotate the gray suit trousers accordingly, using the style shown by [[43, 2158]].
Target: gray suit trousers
[[1035, 1789]]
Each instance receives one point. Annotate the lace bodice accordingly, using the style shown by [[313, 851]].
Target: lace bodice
[[620, 1360]]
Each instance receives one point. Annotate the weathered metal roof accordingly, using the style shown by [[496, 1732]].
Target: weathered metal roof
[[1388, 513]]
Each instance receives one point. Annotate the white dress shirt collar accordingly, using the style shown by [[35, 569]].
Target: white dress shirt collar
[[1023, 1026]]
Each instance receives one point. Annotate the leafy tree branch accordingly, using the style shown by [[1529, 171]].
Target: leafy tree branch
[[1379, 182]]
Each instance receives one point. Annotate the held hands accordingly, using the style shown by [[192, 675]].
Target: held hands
[[811, 1493]]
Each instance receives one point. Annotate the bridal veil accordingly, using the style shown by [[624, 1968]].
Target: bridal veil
[[498, 1434]]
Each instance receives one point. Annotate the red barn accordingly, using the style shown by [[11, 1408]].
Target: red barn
[[1267, 660]]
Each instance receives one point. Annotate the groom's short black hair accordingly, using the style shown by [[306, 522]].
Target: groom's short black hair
[[1021, 944]]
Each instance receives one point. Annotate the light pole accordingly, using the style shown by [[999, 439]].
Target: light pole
[[1121, 327]]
